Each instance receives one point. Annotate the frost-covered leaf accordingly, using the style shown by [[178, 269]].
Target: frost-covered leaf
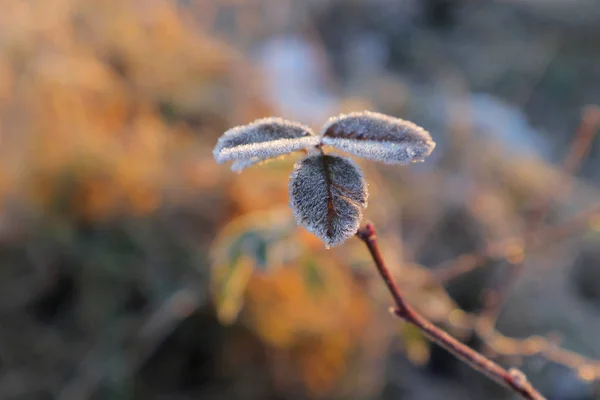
[[265, 150], [378, 137], [261, 140], [240, 165], [327, 196]]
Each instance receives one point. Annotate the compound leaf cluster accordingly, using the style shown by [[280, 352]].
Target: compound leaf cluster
[[327, 193]]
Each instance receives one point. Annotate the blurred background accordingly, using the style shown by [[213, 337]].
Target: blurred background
[[132, 266]]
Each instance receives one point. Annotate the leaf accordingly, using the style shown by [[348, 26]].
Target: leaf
[[378, 137], [229, 287], [313, 277], [248, 246], [261, 140], [327, 196], [418, 349], [241, 165]]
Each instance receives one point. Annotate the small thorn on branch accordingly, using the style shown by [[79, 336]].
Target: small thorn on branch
[[399, 313]]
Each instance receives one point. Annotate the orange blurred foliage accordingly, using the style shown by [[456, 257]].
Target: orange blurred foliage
[[86, 95], [318, 319]]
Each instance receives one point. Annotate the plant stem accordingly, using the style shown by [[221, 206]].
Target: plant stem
[[512, 379]]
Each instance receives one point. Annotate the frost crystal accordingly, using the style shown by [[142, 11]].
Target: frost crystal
[[240, 165], [378, 137], [261, 140], [327, 197]]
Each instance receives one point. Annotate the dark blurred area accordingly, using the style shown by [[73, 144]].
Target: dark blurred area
[[132, 266]]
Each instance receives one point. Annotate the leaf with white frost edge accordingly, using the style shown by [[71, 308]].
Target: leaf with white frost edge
[[327, 196], [240, 165], [261, 140], [378, 137]]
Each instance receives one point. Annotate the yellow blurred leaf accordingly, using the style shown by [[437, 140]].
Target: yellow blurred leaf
[[416, 345], [253, 244], [228, 287]]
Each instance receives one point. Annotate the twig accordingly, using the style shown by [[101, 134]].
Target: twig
[[506, 248], [580, 147], [512, 379], [158, 325], [587, 369], [535, 237], [547, 347], [577, 152]]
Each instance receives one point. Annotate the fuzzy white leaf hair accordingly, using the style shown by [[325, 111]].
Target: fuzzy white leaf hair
[[261, 140], [378, 137], [327, 196]]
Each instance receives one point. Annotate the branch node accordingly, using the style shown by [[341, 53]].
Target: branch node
[[367, 232], [518, 378]]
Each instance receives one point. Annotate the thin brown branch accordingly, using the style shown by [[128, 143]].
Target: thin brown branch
[[536, 237], [495, 297], [512, 379], [579, 149], [587, 369], [158, 325], [514, 246], [503, 346]]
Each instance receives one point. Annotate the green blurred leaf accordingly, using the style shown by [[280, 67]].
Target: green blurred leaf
[[313, 277], [250, 244], [229, 288], [416, 345], [245, 246]]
